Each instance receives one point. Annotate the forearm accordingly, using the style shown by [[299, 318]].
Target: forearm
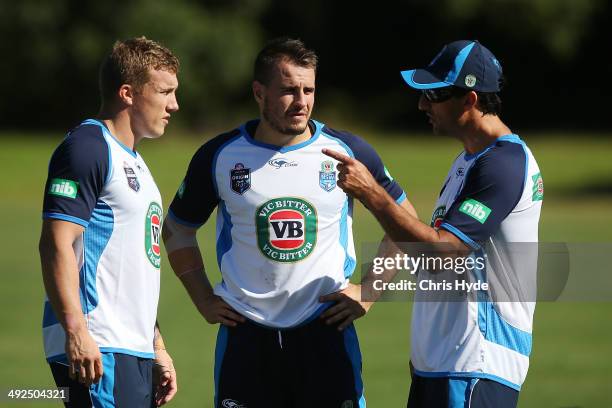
[[188, 266], [397, 222], [61, 281], [386, 249], [186, 261], [158, 341]]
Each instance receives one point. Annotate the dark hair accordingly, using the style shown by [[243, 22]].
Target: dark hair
[[279, 49], [490, 103]]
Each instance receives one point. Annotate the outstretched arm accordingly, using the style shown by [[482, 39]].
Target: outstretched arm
[[402, 226]]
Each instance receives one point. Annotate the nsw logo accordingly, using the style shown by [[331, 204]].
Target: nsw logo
[[131, 177], [240, 178], [153, 223], [279, 162], [327, 176], [286, 229], [476, 210], [63, 188]]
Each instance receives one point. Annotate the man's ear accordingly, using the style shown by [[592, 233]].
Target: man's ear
[[258, 91], [126, 94], [471, 100]]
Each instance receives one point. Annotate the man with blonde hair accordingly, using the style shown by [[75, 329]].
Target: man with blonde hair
[[99, 247]]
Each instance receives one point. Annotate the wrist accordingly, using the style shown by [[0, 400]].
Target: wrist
[[74, 325]]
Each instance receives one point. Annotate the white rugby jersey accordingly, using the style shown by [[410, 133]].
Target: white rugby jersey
[[99, 183], [284, 228], [489, 200]]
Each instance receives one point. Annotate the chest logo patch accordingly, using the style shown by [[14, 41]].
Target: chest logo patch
[[240, 179], [131, 177], [153, 223], [286, 229], [327, 176], [538, 187], [438, 216]]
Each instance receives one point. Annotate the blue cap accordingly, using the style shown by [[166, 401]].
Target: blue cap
[[466, 64]]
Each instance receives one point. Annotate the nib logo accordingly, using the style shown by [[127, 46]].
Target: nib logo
[[63, 188], [476, 210]]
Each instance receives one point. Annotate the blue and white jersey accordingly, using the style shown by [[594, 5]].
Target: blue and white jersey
[[489, 200], [99, 183], [284, 228]]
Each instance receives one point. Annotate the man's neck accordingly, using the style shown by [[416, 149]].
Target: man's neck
[[482, 133], [267, 134], [118, 123]]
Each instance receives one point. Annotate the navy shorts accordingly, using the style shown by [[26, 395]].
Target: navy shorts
[[313, 365], [126, 382], [460, 392]]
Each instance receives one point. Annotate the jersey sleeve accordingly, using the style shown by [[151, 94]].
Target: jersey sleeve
[[197, 195], [362, 151], [493, 187], [78, 170]]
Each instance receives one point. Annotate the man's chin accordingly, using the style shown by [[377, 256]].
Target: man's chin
[[154, 134], [295, 129]]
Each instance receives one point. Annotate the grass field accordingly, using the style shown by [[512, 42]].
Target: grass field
[[571, 364]]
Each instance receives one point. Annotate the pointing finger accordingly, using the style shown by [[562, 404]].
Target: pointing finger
[[338, 156]]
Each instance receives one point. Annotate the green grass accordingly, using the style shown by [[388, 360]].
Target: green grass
[[572, 356]]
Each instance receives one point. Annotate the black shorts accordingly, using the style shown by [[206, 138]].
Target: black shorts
[[313, 365], [460, 392], [126, 382]]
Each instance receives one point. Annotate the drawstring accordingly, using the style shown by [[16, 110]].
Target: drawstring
[[280, 339]]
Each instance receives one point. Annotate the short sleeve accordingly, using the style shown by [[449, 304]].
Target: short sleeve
[[78, 170], [366, 154], [197, 195], [492, 189]]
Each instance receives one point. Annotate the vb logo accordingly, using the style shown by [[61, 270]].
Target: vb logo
[[153, 223], [286, 229]]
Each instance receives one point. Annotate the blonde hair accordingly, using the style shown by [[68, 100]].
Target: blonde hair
[[129, 63]]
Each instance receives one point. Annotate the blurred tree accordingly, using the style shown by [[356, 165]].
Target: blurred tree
[[52, 50], [560, 25]]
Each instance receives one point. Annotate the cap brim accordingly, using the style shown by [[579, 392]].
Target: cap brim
[[423, 79]]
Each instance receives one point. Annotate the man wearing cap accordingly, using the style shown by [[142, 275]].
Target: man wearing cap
[[473, 351]]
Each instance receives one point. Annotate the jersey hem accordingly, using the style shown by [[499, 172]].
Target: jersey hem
[[460, 235], [401, 198], [62, 358], [174, 217], [65, 217], [485, 376]]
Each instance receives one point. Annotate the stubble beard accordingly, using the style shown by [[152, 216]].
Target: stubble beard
[[278, 126]]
